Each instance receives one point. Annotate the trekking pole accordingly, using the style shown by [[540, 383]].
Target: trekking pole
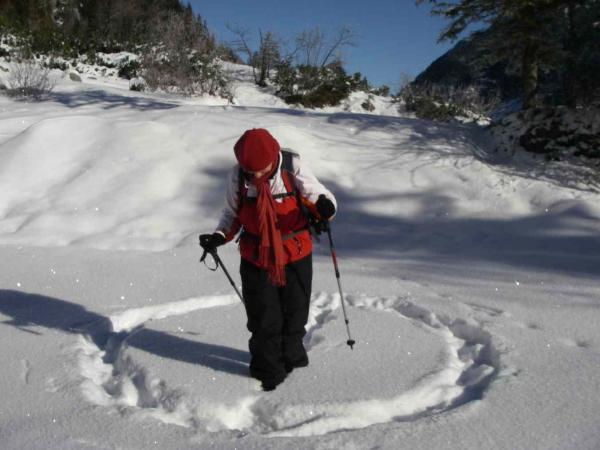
[[219, 262], [350, 341]]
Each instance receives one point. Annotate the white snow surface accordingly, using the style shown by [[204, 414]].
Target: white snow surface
[[471, 281]]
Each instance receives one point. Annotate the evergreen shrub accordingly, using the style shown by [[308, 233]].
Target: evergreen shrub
[[311, 86], [129, 68]]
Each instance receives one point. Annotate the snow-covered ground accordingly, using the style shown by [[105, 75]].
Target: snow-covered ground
[[473, 287]]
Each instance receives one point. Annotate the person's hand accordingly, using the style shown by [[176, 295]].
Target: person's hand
[[325, 207], [210, 242], [318, 226]]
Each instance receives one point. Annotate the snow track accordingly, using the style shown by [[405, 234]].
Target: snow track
[[112, 378]]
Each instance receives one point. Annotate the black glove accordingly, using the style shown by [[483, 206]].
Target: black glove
[[210, 242], [318, 226], [325, 207]]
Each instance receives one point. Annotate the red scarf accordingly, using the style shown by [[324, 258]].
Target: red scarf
[[270, 246]]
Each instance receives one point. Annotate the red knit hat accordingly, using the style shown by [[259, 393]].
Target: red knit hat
[[256, 149]]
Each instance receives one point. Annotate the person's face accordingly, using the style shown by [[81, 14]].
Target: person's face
[[259, 173]]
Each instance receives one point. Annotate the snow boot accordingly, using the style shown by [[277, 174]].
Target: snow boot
[[270, 384]]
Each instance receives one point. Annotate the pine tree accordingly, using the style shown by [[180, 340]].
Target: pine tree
[[581, 52], [529, 31]]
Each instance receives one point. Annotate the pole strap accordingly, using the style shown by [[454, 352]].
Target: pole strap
[[219, 262]]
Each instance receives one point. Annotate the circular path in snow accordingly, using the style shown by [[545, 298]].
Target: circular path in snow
[[187, 363]]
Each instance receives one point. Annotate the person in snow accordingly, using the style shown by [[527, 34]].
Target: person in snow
[[268, 195]]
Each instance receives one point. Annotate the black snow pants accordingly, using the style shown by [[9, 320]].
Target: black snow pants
[[276, 318]]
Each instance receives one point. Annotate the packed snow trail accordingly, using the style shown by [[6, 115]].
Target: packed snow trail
[[114, 379]]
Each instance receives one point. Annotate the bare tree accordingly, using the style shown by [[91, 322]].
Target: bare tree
[[241, 44], [314, 49], [405, 79], [345, 37], [268, 55], [183, 61], [28, 79], [289, 49], [310, 45], [167, 66], [261, 60]]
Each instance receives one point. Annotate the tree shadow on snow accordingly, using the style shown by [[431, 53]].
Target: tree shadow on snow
[[564, 239], [108, 100], [29, 311], [577, 173]]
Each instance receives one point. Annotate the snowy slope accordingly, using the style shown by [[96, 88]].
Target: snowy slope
[[472, 286]]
